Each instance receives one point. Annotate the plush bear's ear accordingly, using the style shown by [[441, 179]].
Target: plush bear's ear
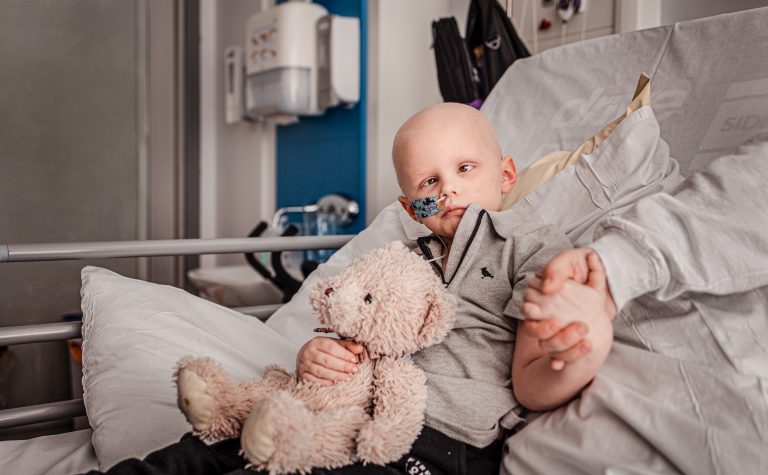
[[439, 319]]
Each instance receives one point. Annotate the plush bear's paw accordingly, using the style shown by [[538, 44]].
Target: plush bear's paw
[[194, 400], [257, 437], [278, 435], [211, 403], [381, 443]]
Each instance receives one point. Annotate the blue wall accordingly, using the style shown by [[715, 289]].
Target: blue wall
[[326, 154]]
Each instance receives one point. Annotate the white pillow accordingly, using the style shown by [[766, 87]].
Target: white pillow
[[133, 334], [631, 163]]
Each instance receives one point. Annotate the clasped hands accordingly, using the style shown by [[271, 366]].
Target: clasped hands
[[569, 309]]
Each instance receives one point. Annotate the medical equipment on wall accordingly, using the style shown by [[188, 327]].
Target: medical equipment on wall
[[298, 60], [323, 218], [566, 9], [544, 12]]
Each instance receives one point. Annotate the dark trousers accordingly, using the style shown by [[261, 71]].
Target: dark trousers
[[432, 453]]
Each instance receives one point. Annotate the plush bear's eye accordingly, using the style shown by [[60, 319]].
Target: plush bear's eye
[[368, 298]]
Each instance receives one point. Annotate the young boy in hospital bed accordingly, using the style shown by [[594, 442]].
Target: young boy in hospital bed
[[485, 375], [448, 166]]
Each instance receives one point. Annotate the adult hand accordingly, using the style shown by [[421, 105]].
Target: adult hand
[[576, 264], [327, 360], [556, 301], [580, 264]]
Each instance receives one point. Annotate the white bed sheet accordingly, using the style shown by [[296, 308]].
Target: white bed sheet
[[60, 454]]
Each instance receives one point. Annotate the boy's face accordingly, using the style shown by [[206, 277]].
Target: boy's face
[[453, 158]]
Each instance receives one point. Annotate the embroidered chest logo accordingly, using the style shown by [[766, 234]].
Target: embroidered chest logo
[[486, 273], [414, 466]]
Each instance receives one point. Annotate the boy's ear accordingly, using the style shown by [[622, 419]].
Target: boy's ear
[[408, 207], [508, 174]]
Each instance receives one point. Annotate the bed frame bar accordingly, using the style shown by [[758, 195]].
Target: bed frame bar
[[14, 335], [38, 333], [167, 247], [41, 413]]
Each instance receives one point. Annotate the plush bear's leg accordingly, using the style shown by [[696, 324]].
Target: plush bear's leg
[[215, 406], [283, 436]]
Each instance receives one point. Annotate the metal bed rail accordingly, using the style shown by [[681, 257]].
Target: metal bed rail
[[165, 247], [13, 335]]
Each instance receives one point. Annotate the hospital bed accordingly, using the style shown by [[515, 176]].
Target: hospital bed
[[710, 83]]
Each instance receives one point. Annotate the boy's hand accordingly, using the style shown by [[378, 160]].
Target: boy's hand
[[327, 360], [563, 344], [561, 311]]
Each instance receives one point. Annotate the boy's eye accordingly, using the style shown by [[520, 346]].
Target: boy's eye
[[428, 182], [466, 167]]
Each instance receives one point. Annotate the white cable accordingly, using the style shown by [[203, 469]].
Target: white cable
[[563, 32], [441, 255]]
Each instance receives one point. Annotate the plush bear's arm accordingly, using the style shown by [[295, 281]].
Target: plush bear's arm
[[399, 401]]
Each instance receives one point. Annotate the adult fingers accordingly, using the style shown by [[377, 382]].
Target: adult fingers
[[532, 295], [596, 278], [570, 264], [531, 311], [565, 339], [599, 281], [535, 283]]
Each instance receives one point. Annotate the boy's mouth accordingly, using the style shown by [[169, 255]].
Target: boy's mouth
[[454, 210]]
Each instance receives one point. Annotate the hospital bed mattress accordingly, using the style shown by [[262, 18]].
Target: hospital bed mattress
[[60, 454]]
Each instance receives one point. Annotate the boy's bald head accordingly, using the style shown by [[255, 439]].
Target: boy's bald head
[[439, 123]]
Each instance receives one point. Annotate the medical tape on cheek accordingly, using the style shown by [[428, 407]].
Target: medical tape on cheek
[[427, 206]]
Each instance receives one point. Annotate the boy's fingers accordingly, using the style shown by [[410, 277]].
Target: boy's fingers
[[339, 349], [322, 372], [541, 329], [314, 379], [351, 346], [556, 364], [574, 353], [565, 339], [332, 362]]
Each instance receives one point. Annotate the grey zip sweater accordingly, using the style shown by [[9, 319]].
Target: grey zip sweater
[[469, 376]]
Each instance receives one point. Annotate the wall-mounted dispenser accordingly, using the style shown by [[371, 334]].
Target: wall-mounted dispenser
[[298, 60], [338, 61], [233, 77]]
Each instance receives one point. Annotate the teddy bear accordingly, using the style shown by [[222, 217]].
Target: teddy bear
[[392, 302]]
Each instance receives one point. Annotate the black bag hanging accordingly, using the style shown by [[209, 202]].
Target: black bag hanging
[[492, 41], [456, 74]]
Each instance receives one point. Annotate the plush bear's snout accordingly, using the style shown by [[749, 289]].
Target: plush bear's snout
[[328, 291]]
